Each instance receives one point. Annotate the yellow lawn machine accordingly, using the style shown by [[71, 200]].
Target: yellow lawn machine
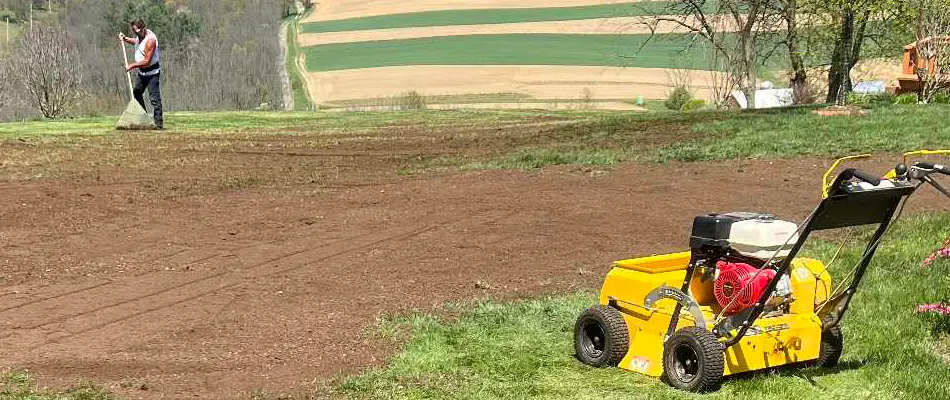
[[740, 300]]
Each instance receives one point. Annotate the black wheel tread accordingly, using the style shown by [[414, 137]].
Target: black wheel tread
[[832, 344], [618, 340], [713, 359]]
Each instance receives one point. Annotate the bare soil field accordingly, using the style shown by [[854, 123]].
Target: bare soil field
[[344, 9], [619, 25], [209, 272], [537, 81]]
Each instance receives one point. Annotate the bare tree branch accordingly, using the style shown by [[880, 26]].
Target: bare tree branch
[[46, 68]]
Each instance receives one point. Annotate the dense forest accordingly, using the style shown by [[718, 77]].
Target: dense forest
[[215, 54]]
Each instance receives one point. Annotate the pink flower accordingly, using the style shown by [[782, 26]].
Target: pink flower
[[941, 253], [939, 308]]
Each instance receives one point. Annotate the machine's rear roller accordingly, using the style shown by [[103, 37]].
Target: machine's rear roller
[[693, 360], [832, 343], [600, 337]]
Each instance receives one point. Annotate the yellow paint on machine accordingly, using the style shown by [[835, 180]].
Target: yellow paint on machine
[[772, 341]]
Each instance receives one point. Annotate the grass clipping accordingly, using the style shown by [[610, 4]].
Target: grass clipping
[[134, 117]]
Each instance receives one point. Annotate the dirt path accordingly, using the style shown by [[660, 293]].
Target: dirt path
[[287, 93], [216, 295]]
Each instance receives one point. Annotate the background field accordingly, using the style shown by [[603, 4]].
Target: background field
[[497, 16], [581, 50]]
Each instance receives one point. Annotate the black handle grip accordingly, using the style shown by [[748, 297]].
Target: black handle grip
[[943, 169], [864, 176]]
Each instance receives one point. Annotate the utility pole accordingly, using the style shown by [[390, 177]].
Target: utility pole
[[8, 31], [31, 17]]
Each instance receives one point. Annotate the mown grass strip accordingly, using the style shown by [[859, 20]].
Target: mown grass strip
[[522, 49], [491, 16]]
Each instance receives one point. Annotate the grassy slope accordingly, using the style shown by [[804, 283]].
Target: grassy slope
[[524, 349], [733, 135], [491, 16], [797, 132], [528, 49], [593, 137]]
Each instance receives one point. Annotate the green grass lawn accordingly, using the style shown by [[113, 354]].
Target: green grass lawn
[[728, 135], [526, 49], [489, 16], [524, 349], [784, 133]]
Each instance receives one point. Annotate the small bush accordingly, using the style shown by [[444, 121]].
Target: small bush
[[7, 15], [411, 100], [872, 100], [694, 104], [907, 98], [941, 97], [678, 98]]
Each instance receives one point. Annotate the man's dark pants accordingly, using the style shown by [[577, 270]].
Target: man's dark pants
[[152, 83]]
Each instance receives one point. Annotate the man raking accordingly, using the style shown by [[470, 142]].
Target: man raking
[[147, 57]]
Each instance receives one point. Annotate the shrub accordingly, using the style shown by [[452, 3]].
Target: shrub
[[411, 100], [872, 100], [907, 98], [694, 104], [941, 97], [7, 15], [678, 98]]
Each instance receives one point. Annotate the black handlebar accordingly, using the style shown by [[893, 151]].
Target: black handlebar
[[943, 169], [864, 176]]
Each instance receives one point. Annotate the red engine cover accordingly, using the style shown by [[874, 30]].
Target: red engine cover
[[733, 277]]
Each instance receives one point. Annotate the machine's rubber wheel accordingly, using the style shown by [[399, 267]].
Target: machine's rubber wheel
[[600, 337], [832, 342], [693, 360]]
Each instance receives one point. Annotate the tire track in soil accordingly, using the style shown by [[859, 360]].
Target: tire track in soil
[[45, 331]]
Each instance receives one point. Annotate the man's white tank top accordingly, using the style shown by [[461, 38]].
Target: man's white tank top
[[140, 53]]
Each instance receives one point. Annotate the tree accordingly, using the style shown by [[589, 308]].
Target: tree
[[737, 30], [854, 23], [4, 82], [788, 10], [44, 65], [178, 28], [932, 56]]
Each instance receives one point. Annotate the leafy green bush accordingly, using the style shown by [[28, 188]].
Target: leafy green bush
[[7, 15], [941, 97], [872, 100], [907, 98], [678, 98], [694, 104]]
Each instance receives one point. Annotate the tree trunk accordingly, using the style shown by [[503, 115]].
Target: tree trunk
[[839, 75], [748, 68], [799, 76]]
